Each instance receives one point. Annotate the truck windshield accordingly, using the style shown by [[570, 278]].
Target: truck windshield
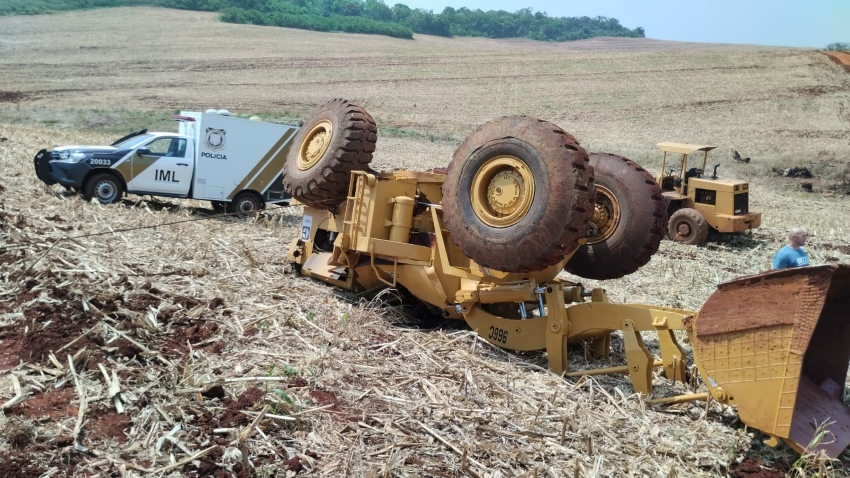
[[134, 141]]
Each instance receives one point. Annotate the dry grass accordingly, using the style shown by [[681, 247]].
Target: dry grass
[[360, 396]]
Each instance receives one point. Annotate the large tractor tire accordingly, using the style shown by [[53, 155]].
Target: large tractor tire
[[339, 138], [687, 226], [518, 194], [629, 220]]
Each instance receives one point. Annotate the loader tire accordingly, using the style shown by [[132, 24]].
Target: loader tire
[[518, 194], [339, 138], [687, 226], [629, 220]]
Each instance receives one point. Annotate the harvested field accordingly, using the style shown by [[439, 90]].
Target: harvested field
[[155, 338]]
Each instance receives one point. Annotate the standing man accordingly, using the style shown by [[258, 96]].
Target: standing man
[[792, 254]]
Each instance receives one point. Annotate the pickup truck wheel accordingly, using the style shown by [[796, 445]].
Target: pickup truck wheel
[[339, 138], [629, 220], [245, 204], [687, 226], [518, 194], [104, 187]]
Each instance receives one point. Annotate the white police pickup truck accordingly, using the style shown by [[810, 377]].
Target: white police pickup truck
[[232, 162]]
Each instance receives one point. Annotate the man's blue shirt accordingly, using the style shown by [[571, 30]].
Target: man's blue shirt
[[789, 257]]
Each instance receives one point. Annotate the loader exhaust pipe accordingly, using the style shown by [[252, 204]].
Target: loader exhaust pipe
[[777, 345]]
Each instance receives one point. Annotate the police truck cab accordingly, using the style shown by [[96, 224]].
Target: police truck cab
[[232, 162]]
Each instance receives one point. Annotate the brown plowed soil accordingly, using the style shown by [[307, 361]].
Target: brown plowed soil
[[752, 468], [840, 57], [52, 316]]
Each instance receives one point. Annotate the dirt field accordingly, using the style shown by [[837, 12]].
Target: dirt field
[[840, 57], [147, 338]]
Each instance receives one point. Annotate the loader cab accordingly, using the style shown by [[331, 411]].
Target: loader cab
[[674, 182]]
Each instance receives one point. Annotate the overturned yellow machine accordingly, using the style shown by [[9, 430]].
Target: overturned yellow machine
[[484, 241]]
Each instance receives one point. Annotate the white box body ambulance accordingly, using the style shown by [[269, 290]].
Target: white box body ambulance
[[230, 161]]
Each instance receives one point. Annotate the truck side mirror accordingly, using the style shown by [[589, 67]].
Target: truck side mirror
[[143, 151]]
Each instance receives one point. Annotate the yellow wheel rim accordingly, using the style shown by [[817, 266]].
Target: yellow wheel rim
[[684, 229], [315, 144], [606, 215], [502, 191]]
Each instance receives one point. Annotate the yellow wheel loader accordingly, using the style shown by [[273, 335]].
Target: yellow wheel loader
[[697, 202], [484, 241]]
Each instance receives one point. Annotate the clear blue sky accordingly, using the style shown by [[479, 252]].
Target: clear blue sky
[[794, 23]]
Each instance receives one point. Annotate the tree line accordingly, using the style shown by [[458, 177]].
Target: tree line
[[366, 16], [838, 46]]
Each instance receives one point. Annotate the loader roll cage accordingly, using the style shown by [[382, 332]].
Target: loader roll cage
[[669, 182]]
